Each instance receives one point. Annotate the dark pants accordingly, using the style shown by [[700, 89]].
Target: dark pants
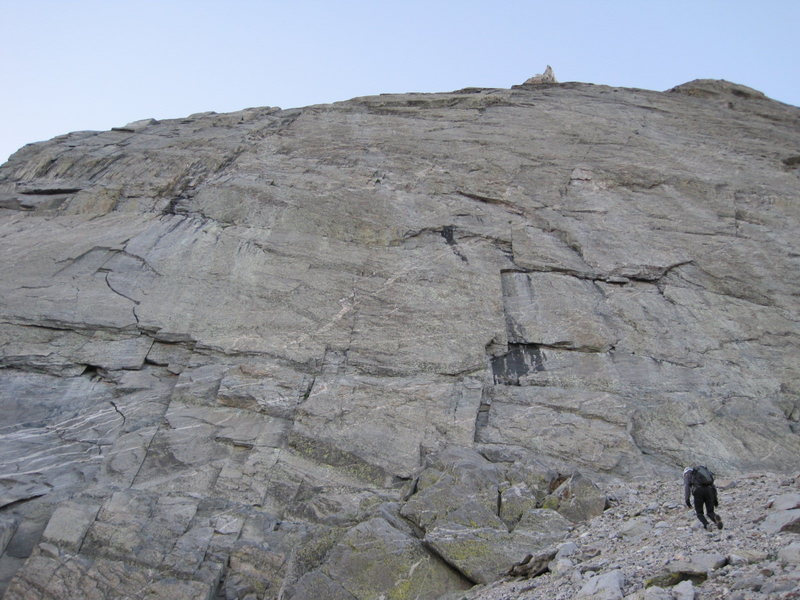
[[704, 495]]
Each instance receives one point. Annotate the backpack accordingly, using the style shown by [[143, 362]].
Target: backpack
[[702, 476]]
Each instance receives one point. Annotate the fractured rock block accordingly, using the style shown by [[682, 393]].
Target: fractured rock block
[[536, 312], [69, 524], [374, 558], [8, 526], [99, 579], [578, 498]]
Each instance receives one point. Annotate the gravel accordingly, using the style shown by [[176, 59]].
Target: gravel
[[648, 533]]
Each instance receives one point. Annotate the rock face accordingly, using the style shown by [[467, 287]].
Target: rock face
[[362, 349]]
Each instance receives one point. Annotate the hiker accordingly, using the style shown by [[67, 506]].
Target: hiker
[[699, 482]]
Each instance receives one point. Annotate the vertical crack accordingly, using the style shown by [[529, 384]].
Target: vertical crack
[[482, 417], [119, 412], [144, 455], [118, 293]]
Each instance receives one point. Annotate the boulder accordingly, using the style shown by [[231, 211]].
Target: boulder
[[694, 569], [545, 522], [779, 585], [782, 520], [578, 499], [752, 583], [533, 565], [482, 549], [607, 586], [790, 554], [636, 528], [656, 593], [788, 501], [515, 501], [456, 505], [483, 554], [567, 549], [672, 578], [702, 562], [684, 591], [460, 486], [374, 559], [541, 78], [743, 556]]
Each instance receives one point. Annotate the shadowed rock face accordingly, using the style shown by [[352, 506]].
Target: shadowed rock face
[[253, 354]]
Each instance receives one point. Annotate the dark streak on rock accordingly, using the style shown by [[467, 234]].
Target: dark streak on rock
[[448, 233], [493, 201], [520, 360]]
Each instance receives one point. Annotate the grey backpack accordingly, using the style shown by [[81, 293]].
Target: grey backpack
[[702, 476]]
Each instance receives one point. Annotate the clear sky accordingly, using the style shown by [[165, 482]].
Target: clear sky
[[68, 65]]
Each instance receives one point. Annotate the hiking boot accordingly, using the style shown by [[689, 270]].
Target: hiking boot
[[718, 521]]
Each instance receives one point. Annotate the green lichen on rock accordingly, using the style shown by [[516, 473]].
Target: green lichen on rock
[[376, 559], [328, 454], [483, 554], [404, 590], [551, 502], [665, 580]]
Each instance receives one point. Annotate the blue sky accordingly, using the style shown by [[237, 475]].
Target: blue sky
[[68, 65]]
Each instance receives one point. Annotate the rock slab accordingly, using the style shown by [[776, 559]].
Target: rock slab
[[232, 345]]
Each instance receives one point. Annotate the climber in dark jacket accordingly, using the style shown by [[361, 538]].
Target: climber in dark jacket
[[699, 482]]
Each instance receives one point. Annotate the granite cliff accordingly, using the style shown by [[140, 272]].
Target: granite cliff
[[389, 346]]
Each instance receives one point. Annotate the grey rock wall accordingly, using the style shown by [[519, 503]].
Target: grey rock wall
[[252, 355]]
